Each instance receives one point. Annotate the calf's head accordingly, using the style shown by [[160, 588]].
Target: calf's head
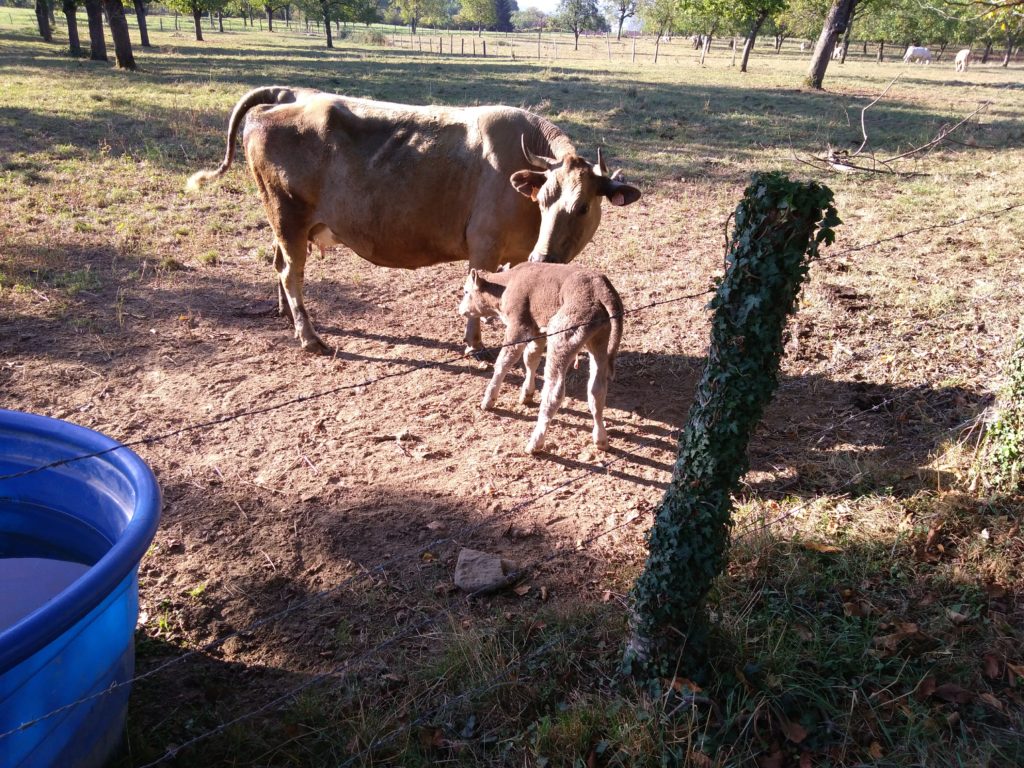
[[569, 192], [480, 297]]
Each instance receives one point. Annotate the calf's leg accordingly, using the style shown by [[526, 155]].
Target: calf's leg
[[534, 352], [561, 353], [507, 358], [597, 391]]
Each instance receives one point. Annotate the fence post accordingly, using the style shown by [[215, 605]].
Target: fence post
[[463, 47], [733, 63], [538, 45], [634, 49], [474, 46], [485, 48], [608, 42], [779, 226]]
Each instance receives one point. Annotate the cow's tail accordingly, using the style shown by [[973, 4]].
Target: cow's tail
[[271, 95], [613, 306]]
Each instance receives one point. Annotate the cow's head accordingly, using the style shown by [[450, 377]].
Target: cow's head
[[569, 193]]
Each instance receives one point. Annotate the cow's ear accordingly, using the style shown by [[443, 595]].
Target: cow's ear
[[618, 192], [528, 183]]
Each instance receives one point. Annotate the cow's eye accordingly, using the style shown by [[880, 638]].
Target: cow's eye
[[582, 210]]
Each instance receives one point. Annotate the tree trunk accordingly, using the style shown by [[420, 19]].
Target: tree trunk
[[881, 51], [270, 17], [987, 53], [69, 13], [755, 27], [846, 43], [577, 33], [326, 9], [836, 22], [942, 49], [140, 17], [119, 31], [97, 43], [220, 21], [1009, 50], [197, 19], [43, 18], [864, 47]]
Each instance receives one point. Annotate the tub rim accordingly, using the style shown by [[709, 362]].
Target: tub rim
[[47, 623]]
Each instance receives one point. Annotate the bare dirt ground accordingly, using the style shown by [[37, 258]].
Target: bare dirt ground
[[135, 310]]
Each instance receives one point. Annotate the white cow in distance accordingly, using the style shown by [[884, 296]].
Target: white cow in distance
[[962, 60], [917, 53]]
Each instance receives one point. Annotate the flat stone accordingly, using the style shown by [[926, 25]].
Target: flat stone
[[478, 571]]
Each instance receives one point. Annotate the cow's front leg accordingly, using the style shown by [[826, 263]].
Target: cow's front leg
[[474, 341], [294, 258], [507, 358]]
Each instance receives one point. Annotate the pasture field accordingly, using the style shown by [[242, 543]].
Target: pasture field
[[873, 609]]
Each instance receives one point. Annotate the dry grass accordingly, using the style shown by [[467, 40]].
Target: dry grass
[[110, 278]]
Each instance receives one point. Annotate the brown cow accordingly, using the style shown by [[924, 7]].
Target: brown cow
[[406, 186]]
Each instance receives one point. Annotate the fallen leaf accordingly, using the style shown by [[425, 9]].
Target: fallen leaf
[[875, 750], [522, 590], [774, 760], [955, 616], [991, 700], [700, 760], [925, 689], [794, 731], [803, 632], [1017, 670], [953, 693], [606, 596], [993, 666], [681, 684], [904, 631], [431, 738]]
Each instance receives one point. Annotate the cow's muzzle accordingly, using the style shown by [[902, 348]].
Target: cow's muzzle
[[547, 258]]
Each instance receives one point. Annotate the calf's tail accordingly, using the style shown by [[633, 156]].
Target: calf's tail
[[271, 95], [613, 306]]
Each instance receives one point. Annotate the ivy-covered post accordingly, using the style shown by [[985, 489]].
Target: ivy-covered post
[[779, 225], [1000, 463]]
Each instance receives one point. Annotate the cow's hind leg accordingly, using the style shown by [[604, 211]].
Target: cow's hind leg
[[507, 358], [293, 248], [283, 308]]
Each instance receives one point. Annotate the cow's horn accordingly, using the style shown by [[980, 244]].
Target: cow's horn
[[602, 169], [538, 161]]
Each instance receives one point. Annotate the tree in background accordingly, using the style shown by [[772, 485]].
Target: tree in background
[[195, 9], [97, 44], [505, 9], [578, 16], [415, 11], [123, 56], [270, 8], [43, 19], [620, 10], [479, 14], [802, 18], [839, 16], [658, 16], [755, 13], [140, 18], [328, 11], [530, 18], [70, 9]]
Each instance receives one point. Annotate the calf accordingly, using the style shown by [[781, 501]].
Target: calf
[[962, 60], [575, 308]]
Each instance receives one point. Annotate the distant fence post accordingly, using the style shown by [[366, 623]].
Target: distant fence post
[[463, 47], [704, 49], [733, 63], [538, 45], [608, 42], [555, 52], [474, 46], [161, 24], [634, 49], [485, 48]]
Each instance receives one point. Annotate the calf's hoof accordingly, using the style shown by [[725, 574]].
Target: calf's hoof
[[487, 403], [535, 445], [526, 398]]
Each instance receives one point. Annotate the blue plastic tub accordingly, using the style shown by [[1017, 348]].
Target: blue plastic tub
[[79, 530]]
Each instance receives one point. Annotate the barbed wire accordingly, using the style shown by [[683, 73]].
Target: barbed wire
[[161, 437]]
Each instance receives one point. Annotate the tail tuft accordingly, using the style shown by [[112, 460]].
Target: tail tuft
[[201, 178]]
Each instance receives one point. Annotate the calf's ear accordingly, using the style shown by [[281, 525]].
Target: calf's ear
[[618, 192], [528, 183]]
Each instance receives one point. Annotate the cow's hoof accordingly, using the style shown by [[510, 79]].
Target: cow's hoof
[[487, 403], [526, 398], [483, 356], [315, 346], [601, 444], [535, 446]]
